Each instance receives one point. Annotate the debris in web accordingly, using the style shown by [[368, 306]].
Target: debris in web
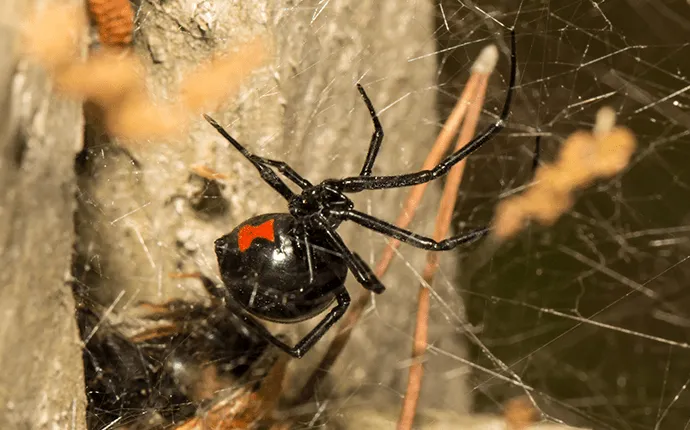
[[242, 407], [584, 158], [206, 172]]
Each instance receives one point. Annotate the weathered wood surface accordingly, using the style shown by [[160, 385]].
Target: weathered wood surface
[[41, 376]]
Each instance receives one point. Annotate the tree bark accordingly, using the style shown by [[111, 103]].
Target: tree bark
[[41, 373]]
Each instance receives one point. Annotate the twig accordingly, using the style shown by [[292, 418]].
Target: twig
[[443, 219], [482, 67]]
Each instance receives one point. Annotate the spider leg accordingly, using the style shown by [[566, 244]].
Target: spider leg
[[358, 183], [537, 153], [282, 166], [359, 268], [376, 137], [304, 345], [286, 170], [406, 236], [266, 173]]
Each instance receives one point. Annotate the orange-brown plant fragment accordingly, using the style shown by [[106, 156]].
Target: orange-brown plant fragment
[[584, 158]]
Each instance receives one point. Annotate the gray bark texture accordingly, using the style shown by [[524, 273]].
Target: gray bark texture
[[137, 223], [41, 374]]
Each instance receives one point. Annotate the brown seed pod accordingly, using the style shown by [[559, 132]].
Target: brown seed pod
[[114, 19]]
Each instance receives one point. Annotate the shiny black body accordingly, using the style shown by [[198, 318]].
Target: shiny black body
[[301, 270], [281, 280]]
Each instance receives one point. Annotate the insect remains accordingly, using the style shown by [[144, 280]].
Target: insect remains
[[114, 19]]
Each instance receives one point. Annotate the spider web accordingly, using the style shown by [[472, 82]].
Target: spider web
[[588, 317], [589, 312]]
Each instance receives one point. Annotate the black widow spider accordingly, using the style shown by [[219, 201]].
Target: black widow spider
[[288, 267]]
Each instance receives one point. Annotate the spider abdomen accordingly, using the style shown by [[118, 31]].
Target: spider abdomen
[[270, 271]]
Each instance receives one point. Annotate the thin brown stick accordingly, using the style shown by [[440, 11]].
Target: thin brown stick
[[437, 152], [441, 145], [443, 220], [414, 382]]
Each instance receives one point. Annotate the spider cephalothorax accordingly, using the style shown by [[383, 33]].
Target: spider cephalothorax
[[319, 200], [288, 267]]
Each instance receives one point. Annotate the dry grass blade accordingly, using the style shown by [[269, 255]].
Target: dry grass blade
[[212, 83], [207, 173], [483, 66], [584, 158], [443, 219], [51, 35]]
